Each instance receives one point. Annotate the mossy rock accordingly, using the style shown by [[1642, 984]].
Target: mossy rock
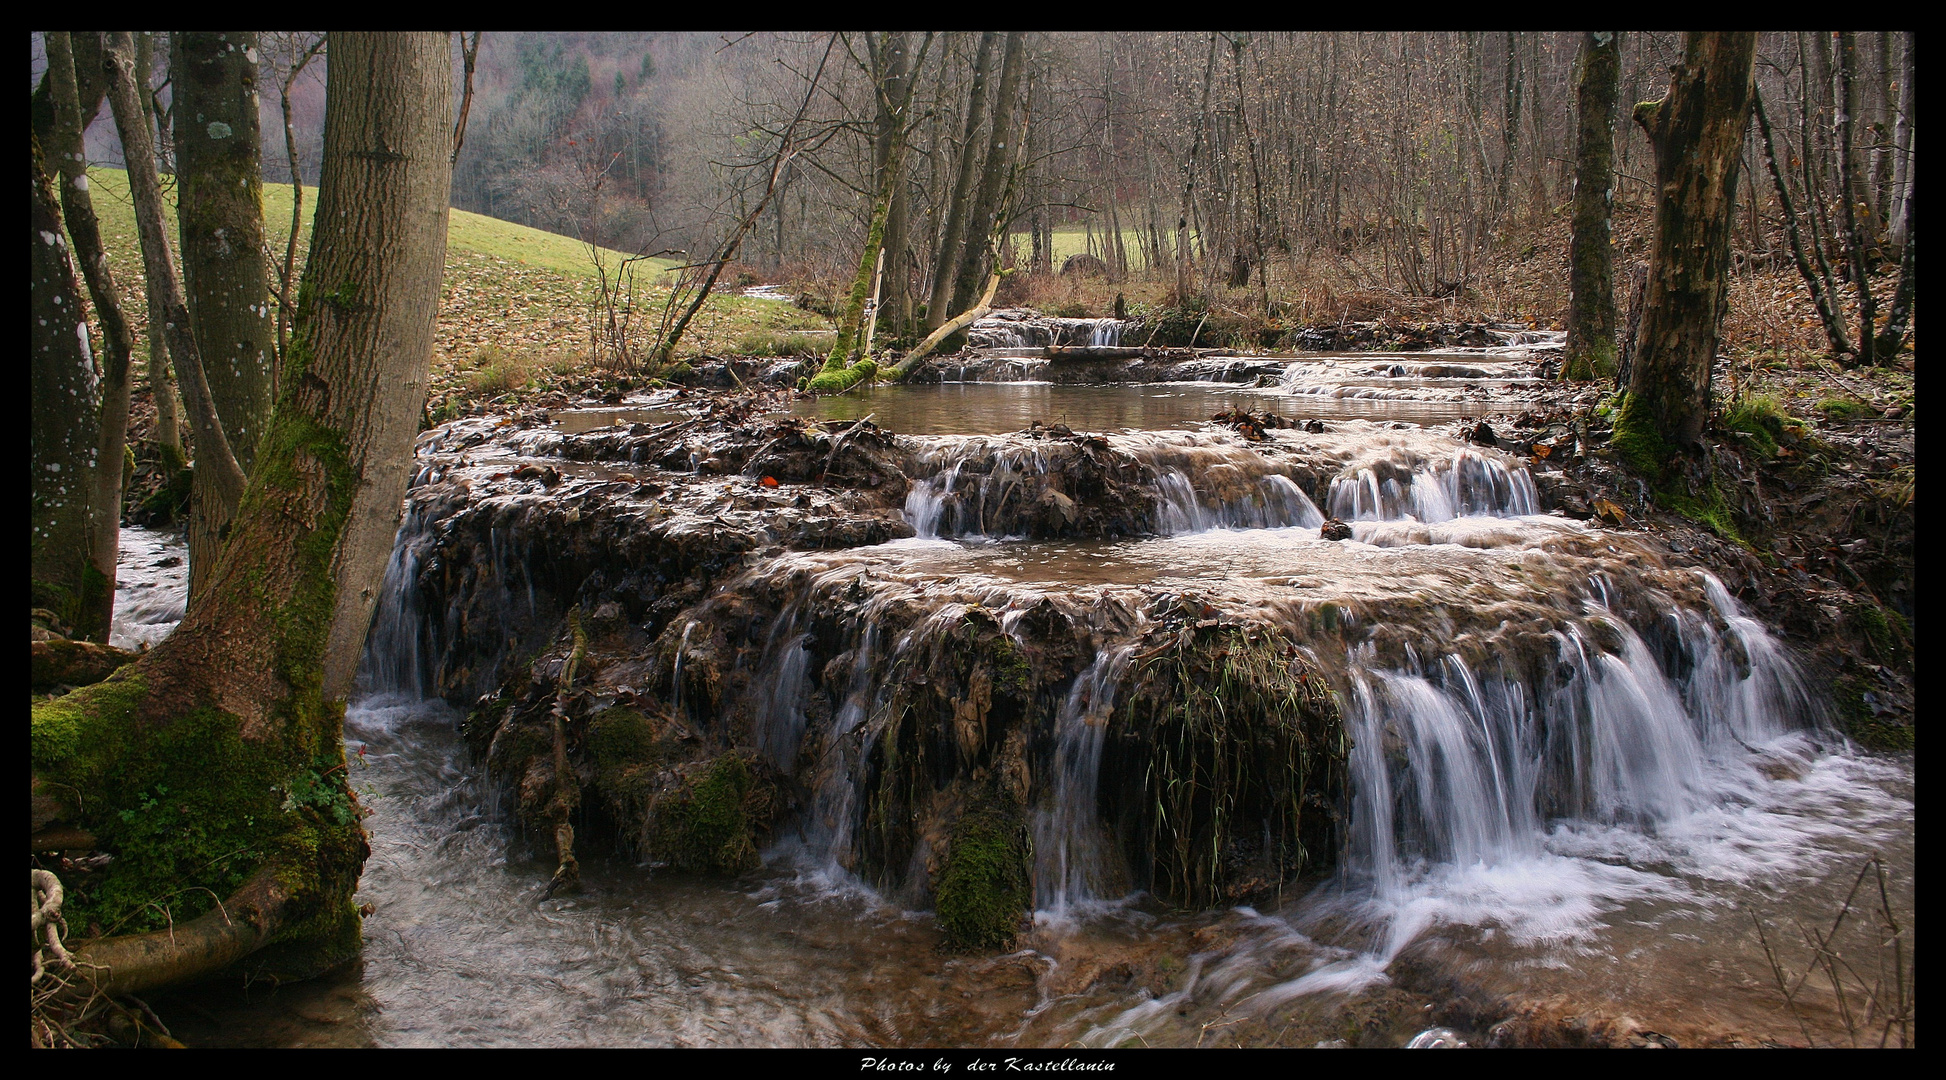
[[75, 663], [983, 888], [1883, 731], [709, 823], [1887, 631], [628, 754]]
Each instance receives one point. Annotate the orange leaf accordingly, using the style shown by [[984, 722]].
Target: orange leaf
[[769, 481]]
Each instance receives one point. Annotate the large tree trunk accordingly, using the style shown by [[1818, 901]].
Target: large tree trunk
[[220, 210], [214, 766], [895, 296], [117, 341], [1697, 132], [62, 424], [166, 304], [972, 271], [1591, 260]]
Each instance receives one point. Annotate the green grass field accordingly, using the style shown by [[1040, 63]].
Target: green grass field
[[510, 290], [466, 231], [1074, 241]]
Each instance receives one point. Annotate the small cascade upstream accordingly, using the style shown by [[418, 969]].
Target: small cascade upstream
[[1020, 328], [1470, 484]]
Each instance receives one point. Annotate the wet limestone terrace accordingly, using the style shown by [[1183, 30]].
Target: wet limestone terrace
[[1030, 713]]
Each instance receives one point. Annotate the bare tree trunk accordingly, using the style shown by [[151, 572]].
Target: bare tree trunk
[[1591, 260], [63, 422], [162, 387], [238, 715], [117, 341], [971, 272], [894, 307], [1185, 283], [1900, 317], [1852, 189], [166, 305], [219, 195], [1828, 312], [1697, 131], [945, 267], [1902, 143]]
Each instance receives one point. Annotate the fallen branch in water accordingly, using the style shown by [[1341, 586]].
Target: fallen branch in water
[[904, 368]]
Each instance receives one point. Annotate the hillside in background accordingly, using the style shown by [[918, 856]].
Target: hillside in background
[[517, 300]]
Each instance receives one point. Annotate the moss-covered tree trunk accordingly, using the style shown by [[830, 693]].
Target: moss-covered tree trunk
[[840, 372], [1591, 260], [214, 767], [1697, 132], [895, 293], [219, 197], [62, 426]]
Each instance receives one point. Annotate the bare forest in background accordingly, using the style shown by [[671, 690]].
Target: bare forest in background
[[1288, 170]]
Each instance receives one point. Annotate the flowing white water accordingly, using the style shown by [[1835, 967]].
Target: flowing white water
[[1539, 810], [151, 586], [1069, 851], [1466, 485]]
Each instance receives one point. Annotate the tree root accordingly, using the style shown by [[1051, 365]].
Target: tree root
[[240, 925]]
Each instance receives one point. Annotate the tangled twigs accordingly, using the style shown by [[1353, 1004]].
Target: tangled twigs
[[1887, 999], [48, 923]]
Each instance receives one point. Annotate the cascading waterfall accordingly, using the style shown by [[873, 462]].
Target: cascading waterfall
[[827, 830], [394, 660], [1469, 484], [1274, 502], [1506, 779], [1069, 853], [959, 501]]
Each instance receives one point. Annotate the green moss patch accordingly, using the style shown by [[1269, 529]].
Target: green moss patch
[[1837, 408], [1245, 748], [1882, 731], [188, 809], [709, 822], [983, 887], [1763, 423]]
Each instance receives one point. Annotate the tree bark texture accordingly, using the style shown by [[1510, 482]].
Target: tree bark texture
[[972, 270], [64, 436], [84, 231], [166, 304], [951, 241], [162, 387], [1902, 143], [225, 742], [1697, 132], [1591, 259], [895, 299], [219, 198]]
